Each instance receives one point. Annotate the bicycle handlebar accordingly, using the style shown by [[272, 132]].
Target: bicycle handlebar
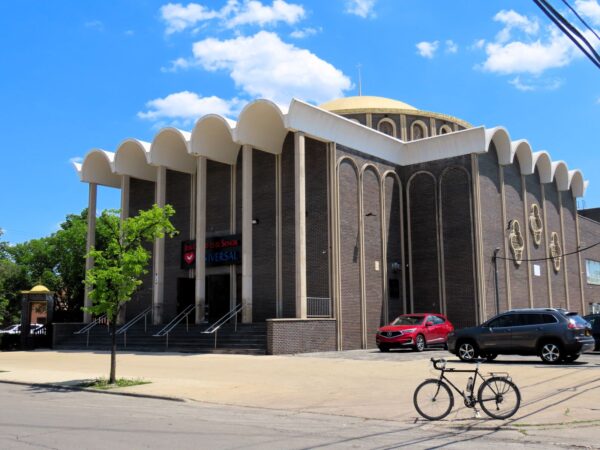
[[439, 363]]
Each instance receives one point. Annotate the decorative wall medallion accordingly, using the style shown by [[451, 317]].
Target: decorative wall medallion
[[535, 224], [555, 251], [516, 242]]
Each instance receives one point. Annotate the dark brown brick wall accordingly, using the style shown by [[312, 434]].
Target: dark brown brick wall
[[492, 229], [263, 236], [285, 336], [456, 215], [553, 225], [513, 191], [178, 192], [218, 191], [141, 197], [393, 223], [539, 284], [372, 250]]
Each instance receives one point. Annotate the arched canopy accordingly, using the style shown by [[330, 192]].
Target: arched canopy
[[522, 151], [212, 137], [131, 158], [543, 163], [170, 149], [262, 125], [97, 167], [578, 185], [561, 175], [501, 139]]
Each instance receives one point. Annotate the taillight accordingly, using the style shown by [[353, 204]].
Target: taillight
[[573, 326]]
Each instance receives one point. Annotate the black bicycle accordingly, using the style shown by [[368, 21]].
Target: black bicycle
[[498, 396]]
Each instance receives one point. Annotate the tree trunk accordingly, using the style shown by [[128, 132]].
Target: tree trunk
[[113, 349]]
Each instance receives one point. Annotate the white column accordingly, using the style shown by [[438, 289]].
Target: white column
[[124, 215], [159, 252], [247, 234], [300, 224], [91, 241], [200, 293]]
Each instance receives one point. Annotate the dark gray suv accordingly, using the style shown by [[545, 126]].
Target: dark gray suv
[[554, 334]]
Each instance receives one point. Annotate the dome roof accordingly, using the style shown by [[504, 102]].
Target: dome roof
[[365, 103], [38, 289]]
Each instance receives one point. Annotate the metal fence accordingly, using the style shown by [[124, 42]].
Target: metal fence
[[318, 307]]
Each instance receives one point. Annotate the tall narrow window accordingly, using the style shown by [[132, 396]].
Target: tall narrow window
[[387, 126]]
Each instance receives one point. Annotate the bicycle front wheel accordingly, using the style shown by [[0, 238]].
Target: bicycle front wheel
[[433, 399], [499, 397]]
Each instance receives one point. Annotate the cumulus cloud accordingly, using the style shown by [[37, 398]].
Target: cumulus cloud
[[187, 107], [361, 8], [451, 46], [305, 32], [515, 21], [427, 49], [233, 14], [264, 66], [590, 9]]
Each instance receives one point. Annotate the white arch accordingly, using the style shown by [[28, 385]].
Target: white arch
[[97, 167], [578, 185], [169, 148], [212, 137], [132, 158], [262, 125], [522, 151], [501, 139], [561, 175], [542, 161]]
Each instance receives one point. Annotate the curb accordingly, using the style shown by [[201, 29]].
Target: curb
[[62, 387]]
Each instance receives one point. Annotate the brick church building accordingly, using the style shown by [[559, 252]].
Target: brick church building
[[327, 222]]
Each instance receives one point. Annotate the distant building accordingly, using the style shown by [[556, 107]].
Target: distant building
[[329, 221]]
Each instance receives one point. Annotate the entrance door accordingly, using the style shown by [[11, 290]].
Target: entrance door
[[185, 293], [217, 296]]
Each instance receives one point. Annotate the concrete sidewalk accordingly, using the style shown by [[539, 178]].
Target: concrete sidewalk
[[554, 398]]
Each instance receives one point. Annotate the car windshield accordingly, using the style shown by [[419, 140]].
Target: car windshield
[[408, 320], [12, 327], [577, 320]]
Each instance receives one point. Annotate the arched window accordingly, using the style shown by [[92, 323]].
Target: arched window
[[387, 126], [445, 129], [418, 130]]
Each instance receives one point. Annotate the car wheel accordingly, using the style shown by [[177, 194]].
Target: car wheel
[[384, 348], [571, 358], [491, 356], [467, 351], [551, 353], [419, 343]]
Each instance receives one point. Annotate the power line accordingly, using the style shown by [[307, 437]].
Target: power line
[[569, 30], [550, 258], [581, 18]]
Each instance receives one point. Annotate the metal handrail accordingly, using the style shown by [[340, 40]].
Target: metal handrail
[[89, 326], [173, 323], [214, 328], [143, 315]]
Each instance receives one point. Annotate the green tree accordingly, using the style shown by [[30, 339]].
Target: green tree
[[12, 280], [118, 267]]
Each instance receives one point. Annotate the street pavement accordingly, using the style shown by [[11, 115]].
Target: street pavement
[[560, 404]]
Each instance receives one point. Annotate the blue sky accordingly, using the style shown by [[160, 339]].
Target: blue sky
[[80, 75]]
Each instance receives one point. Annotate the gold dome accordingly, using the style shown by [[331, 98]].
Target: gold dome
[[38, 289], [366, 103]]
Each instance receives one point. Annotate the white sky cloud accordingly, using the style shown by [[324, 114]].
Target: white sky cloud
[[513, 20], [427, 49], [451, 46], [234, 13], [94, 25], [535, 84], [187, 106], [264, 66], [590, 9], [361, 8], [305, 32]]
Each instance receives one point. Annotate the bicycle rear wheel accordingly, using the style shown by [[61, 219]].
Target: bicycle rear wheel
[[499, 397], [433, 399]]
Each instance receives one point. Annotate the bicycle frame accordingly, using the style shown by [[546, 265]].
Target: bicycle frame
[[464, 393]]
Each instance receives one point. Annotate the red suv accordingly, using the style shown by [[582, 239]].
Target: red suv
[[414, 330]]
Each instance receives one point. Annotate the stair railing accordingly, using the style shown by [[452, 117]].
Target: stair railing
[[214, 328], [86, 329], [126, 326], [173, 323]]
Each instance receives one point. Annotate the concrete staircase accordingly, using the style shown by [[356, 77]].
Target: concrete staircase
[[249, 339]]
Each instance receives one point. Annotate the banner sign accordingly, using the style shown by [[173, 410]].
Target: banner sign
[[220, 251]]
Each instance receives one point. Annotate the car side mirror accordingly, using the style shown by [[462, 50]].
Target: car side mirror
[[429, 324]]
